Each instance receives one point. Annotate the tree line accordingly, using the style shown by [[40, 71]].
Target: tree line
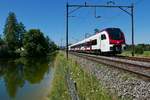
[[17, 41], [139, 48]]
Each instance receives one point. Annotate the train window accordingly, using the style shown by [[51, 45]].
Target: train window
[[89, 43], [115, 33], [94, 42], [103, 37]]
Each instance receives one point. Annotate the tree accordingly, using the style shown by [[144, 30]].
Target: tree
[[13, 32], [20, 34], [96, 31], [1, 41], [51, 45], [10, 31], [139, 50], [35, 44]]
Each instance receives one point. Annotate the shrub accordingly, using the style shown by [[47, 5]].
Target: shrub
[[35, 44], [139, 50]]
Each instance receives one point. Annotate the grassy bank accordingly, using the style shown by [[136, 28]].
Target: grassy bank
[[128, 53], [59, 90], [88, 87]]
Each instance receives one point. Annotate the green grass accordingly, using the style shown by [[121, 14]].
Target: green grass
[[145, 54], [88, 87], [59, 90]]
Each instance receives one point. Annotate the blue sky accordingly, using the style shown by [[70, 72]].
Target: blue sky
[[49, 16]]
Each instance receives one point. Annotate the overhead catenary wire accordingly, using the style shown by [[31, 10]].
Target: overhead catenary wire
[[101, 6], [119, 14]]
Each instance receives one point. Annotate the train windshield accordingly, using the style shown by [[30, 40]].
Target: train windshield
[[115, 33]]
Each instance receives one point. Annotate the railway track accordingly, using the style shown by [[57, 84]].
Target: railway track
[[134, 58], [141, 68]]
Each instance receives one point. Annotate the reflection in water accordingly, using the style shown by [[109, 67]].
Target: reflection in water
[[16, 73]]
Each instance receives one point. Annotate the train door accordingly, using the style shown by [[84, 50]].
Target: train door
[[103, 44]]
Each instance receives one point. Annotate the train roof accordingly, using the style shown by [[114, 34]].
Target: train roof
[[111, 28]]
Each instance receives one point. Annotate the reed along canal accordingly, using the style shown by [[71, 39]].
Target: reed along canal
[[26, 78]]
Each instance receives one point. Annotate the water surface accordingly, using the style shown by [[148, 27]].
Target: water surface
[[26, 78]]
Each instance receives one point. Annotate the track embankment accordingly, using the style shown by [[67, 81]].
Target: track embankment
[[126, 85], [137, 67]]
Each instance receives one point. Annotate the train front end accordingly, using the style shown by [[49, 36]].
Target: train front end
[[116, 40]]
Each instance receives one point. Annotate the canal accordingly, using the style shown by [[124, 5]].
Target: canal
[[26, 78]]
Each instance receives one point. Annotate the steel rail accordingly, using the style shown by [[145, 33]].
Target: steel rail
[[130, 67], [134, 58]]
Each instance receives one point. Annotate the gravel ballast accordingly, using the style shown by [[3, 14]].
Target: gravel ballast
[[124, 84]]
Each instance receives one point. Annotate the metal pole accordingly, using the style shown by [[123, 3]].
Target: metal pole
[[67, 31], [132, 18], [85, 5]]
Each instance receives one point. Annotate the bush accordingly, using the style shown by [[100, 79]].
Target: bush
[[4, 51], [139, 50], [35, 44]]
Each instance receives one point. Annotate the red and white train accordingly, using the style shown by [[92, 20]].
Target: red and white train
[[109, 40]]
